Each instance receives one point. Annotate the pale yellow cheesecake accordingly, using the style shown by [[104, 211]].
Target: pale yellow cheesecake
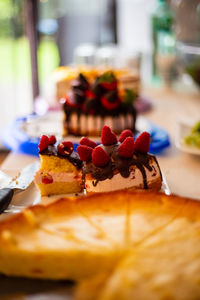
[[120, 245]]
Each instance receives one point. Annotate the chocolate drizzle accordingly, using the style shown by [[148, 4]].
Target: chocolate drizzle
[[73, 157], [122, 110], [122, 165], [81, 103]]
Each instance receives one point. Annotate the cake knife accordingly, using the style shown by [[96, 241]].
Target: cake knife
[[16, 185]]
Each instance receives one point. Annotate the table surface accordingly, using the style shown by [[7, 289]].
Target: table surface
[[181, 170]]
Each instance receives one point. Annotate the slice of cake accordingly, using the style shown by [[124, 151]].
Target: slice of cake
[[164, 265], [60, 170], [90, 106], [119, 164]]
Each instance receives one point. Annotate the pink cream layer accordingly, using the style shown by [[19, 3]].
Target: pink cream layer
[[50, 177]]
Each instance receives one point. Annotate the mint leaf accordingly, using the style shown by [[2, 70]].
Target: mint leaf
[[107, 77], [129, 96]]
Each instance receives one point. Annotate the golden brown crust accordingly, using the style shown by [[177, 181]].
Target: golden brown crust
[[75, 238], [65, 202], [64, 205]]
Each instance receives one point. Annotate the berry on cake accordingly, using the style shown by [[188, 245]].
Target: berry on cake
[[117, 164], [63, 77]]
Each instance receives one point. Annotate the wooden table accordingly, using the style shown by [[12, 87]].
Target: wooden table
[[181, 170]]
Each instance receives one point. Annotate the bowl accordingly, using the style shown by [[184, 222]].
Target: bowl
[[188, 56]]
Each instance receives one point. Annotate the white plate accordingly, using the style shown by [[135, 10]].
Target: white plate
[[184, 129], [31, 196]]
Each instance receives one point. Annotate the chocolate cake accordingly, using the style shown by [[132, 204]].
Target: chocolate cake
[[89, 106], [119, 164]]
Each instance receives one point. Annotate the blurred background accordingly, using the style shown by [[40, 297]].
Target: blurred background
[[160, 39]]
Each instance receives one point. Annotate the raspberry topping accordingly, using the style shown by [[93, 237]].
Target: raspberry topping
[[125, 133], [126, 149], [142, 142], [108, 104], [65, 148], [47, 179], [87, 142], [52, 140], [108, 137], [85, 152], [44, 143], [109, 86], [99, 157], [70, 101], [90, 94], [108, 81]]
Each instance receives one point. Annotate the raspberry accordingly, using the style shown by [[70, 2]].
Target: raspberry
[[108, 81], [99, 157], [47, 179], [85, 152], [125, 133], [109, 105], [69, 101], [126, 149], [65, 148], [108, 137], [87, 142], [44, 143], [52, 140], [142, 142], [109, 86], [90, 94]]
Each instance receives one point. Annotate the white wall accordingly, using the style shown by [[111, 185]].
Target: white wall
[[134, 27]]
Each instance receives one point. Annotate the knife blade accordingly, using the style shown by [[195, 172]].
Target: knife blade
[[17, 184]]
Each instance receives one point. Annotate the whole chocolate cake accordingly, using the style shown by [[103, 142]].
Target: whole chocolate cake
[[88, 107]]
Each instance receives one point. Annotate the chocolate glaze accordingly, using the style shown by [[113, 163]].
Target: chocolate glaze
[[122, 110], [87, 105], [139, 160], [73, 157]]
